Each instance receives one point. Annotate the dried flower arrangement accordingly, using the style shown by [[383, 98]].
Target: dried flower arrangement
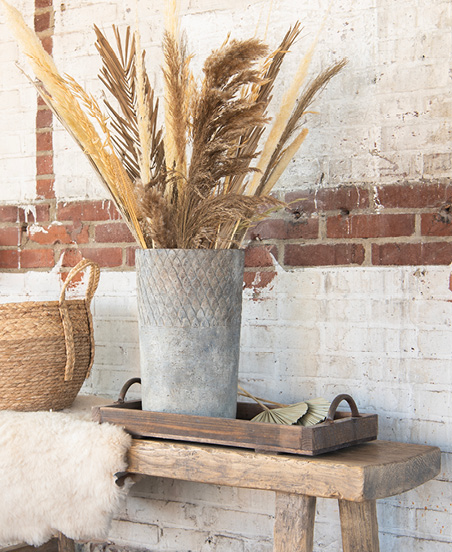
[[193, 185]]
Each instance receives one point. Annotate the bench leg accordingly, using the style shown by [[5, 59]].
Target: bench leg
[[65, 544], [294, 523], [359, 526]]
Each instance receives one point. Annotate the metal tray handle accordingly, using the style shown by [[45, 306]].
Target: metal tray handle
[[336, 402], [126, 387]]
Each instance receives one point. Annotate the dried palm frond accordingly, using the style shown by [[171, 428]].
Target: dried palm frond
[[284, 414], [306, 413], [317, 412], [137, 140]]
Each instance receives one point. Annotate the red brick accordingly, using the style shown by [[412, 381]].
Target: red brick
[[426, 253], [10, 236], [53, 234], [42, 21], [44, 164], [436, 224], [44, 188], [71, 257], [130, 255], [88, 211], [43, 4], [257, 280], [47, 44], [44, 141], [104, 257], [413, 195], [44, 118], [36, 258], [42, 213], [345, 198], [9, 213], [370, 226], [114, 232], [279, 229], [323, 254], [258, 257], [9, 258]]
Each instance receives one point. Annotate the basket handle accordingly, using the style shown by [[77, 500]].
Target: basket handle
[[126, 387], [64, 313], [335, 404], [93, 281]]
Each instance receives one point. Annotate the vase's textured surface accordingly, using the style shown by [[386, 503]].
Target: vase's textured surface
[[189, 305]]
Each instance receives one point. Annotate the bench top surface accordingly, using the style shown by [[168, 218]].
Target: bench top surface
[[364, 472]]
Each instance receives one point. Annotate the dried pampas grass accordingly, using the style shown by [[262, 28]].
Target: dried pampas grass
[[200, 182]]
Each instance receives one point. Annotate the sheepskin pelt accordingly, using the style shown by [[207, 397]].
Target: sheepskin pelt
[[57, 474]]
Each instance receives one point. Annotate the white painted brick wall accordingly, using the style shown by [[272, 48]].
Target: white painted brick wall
[[337, 343]]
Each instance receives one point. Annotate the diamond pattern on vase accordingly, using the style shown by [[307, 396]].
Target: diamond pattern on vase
[[189, 287]]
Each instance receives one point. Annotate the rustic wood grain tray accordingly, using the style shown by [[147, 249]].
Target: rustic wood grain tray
[[342, 429]]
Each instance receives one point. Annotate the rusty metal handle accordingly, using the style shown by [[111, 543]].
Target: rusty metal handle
[[126, 387], [336, 402]]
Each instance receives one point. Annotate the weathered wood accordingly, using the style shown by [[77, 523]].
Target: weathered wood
[[294, 523], [366, 472], [328, 436], [65, 544], [359, 526], [49, 546]]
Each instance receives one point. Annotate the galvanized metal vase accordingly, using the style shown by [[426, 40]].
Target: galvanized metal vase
[[189, 310]]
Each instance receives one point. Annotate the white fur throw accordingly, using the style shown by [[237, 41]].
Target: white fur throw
[[57, 474]]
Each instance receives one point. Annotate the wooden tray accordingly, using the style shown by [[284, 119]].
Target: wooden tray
[[342, 430]]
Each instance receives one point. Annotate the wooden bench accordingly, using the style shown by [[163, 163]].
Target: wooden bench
[[355, 476]]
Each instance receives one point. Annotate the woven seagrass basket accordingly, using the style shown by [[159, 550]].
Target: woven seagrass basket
[[46, 348]]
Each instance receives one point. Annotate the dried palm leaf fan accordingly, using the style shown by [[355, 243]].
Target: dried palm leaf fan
[[306, 413], [195, 183]]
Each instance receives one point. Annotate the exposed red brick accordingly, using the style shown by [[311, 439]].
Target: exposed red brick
[[345, 198], [416, 196], [76, 279], [42, 213], [279, 229], [9, 213], [9, 236], [43, 4], [53, 234], [44, 141], [42, 21], [105, 257], [323, 254], [258, 257], [44, 164], [130, 255], [427, 253], [47, 43], [114, 232], [436, 224], [9, 258], [71, 257], [36, 258], [44, 118], [88, 211], [40, 102], [257, 280], [370, 226], [45, 188]]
